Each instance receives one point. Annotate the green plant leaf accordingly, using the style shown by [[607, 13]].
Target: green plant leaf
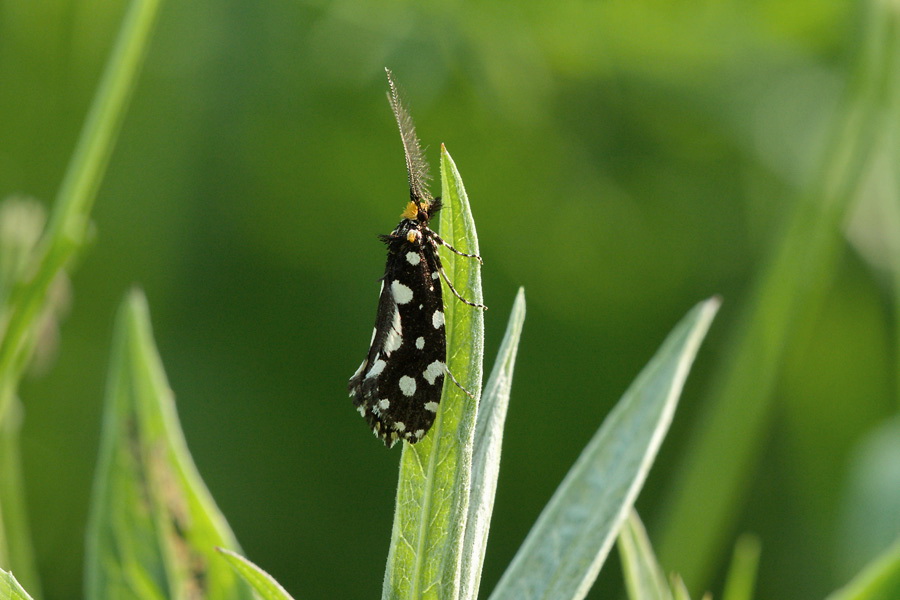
[[10, 588], [261, 582], [679, 590], [16, 550], [31, 293], [709, 485], [566, 547], [644, 578], [879, 581], [70, 218], [741, 577], [486, 459], [425, 556], [153, 525]]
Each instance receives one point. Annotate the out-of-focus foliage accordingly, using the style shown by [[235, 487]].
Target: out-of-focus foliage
[[622, 160]]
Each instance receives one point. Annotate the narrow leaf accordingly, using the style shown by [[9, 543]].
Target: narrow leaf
[[565, 549], [261, 582], [742, 574], [10, 588], [153, 526], [710, 486], [425, 559], [70, 217], [16, 550], [879, 581], [680, 591], [486, 460], [644, 577]]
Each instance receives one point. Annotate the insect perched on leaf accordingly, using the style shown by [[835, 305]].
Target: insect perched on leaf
[[397, 388]]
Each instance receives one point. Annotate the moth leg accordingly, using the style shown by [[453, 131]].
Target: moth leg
[[441, 242], [455, 293], [458, 384]]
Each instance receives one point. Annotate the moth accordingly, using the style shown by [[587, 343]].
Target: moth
[[397, 388]]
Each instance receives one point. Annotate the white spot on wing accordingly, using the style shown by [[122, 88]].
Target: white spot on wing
[[377, 368], [407, 385], [435, 274], [431, 406], [400, 426], [420, 433], [420, 343], [360, 369], [384, 404], [437, 319], [395, 335], [402, 293], [413, 258], [361, 410], [432, 371]]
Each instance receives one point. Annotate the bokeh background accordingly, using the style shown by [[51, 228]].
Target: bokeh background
[[624, 160]]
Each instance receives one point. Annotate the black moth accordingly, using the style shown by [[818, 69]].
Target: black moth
[[397, 388]]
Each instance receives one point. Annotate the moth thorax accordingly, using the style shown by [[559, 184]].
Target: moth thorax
[[413, 236], [411, 211]]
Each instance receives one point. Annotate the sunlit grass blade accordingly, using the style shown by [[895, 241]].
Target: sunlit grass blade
[[31, 293], [741, 578], [10, 588], [708, 487], [70, 217], [261, 582], [566, 547], [680, 591], [16, 550], [486, 459], [644, 578], [153, 525], [879, 581], [425, 559]]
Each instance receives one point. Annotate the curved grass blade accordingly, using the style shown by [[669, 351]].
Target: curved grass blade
[[709, 487], [680, 591], [261, 582], [10, 588], [741, 578], [486, 459], [153, 525], [425, 559], [70, 218], [565, 549], [879, 581], [644, 578]]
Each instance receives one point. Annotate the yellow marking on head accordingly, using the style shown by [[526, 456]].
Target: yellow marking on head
[[412, 236], [411, 212]]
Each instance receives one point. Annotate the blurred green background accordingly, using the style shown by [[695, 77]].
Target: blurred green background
[[624, 160]]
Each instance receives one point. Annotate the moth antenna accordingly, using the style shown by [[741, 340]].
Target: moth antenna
[[416, 166]]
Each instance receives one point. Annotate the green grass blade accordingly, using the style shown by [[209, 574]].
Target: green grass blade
[[565, 549], [153, 525], [680, 591], [742, 574], [879, 581], [16, 550], [10, 588], [708, 489], [486, 459], [425, 558], [261, 582], [69, 219], [644, 578]]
